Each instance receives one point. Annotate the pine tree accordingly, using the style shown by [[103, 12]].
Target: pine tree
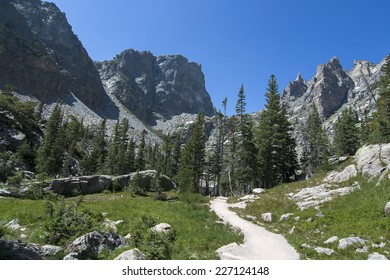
[[121, 160], [50, 153], [276, 147], [316, 143], [94, 161], [346, 139], [192, 162], [245, 173], [140, 159], [130, 156], [111, 166]]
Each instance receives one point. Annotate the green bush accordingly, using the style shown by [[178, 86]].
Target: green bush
[[65, 222], [155, 245], [135, 185]]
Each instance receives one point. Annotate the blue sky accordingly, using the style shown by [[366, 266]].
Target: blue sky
[[237, 41]]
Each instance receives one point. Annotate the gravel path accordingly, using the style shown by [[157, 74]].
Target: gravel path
[[259, 244]]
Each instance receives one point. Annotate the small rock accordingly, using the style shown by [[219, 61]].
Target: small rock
[[320, 215], [346, 242], [128, 236], [326, 251], [285, 217], [258, 191], [304, 245], [22, 236], [252, 218], [376, 257], [331, 240], [297, 218], [133, 254], [310, 219], [387, 209], [267, 217], [163, 227], [292, 230]]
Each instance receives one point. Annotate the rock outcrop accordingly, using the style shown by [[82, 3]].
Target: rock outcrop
[[156, 87], [373, 160], [72, 186], [13, 250], [91, 244]]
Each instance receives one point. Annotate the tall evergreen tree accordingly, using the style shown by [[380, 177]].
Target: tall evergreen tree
[[94, 160], [130, 156], [192, 162], [276, 147], [245, 173], [316, 151], [346, 139], [50, 153], [140, 159]]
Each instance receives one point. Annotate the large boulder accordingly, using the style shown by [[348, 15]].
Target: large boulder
[[373, 160], [11, 250], [80, 185], [309, 197], [146, 178], [91, 244]]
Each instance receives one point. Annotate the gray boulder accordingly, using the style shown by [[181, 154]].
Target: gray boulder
[[133, 254], [338, 177], [317, 195], [349, 241], [387, 209], [80, 185], [163, 227], [11, 250], [91, 244], [267, 217], [331, 240], [373, 160], [376, 257], [326, 251], [285, 217]]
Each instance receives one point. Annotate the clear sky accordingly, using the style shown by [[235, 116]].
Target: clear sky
[[237, 41]]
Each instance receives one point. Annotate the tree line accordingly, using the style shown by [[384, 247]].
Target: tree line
[[245, 152]]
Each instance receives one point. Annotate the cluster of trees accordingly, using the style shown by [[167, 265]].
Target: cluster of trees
[[246, 154], [70, 148]]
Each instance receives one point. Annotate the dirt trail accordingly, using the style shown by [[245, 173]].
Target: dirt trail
[[259, 244]]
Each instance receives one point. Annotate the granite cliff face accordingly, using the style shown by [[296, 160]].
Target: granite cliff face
[[156, 88], [42, 57], [331, 90]]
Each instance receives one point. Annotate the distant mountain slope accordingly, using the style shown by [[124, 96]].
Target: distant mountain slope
[[156, 88], [42, 57]]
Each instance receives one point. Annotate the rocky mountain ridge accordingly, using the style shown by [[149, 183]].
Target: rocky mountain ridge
[[331, 90], [43, 58], [156, 88]]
